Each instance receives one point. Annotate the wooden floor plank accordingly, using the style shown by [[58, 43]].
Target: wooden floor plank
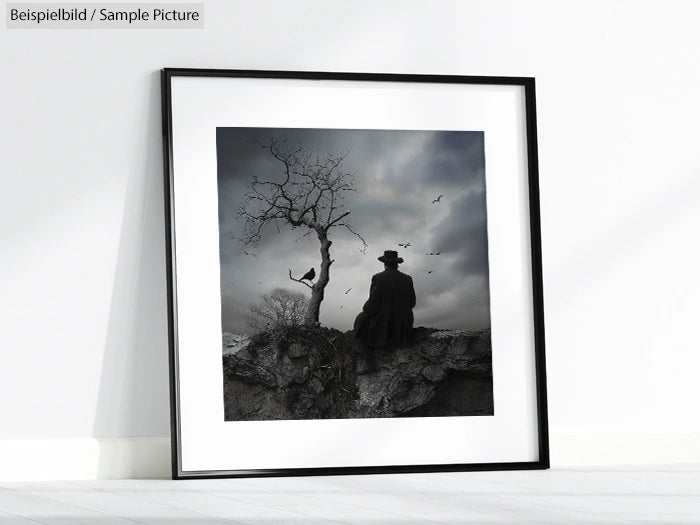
[[11, 519], [666, 494], [198, 497], [19, 503]]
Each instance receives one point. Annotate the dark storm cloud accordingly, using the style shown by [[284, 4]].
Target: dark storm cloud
[[463, 233], [380, 214], [398, 175], [447, 159], [457, 159]]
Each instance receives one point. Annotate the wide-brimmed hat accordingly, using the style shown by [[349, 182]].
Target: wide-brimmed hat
[[390, 256]]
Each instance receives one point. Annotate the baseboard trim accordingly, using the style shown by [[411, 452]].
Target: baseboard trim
[[595, 449], [71, 459], [125, 458]]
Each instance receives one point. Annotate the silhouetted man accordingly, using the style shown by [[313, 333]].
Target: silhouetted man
[[386, 319]]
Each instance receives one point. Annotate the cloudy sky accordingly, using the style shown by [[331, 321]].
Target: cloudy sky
[[398, 174]]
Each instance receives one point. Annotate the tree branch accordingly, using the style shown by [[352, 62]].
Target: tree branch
[[298, 280], [337, 219], [364, 242]]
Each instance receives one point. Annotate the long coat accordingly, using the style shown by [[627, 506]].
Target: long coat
[[386, 319]]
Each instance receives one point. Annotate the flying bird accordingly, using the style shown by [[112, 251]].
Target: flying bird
[[438, 199], [346, 291], [309, 276], [430, 271], [405, 245], [250, 253]]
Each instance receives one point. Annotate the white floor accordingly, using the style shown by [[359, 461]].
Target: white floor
[[664, 494]]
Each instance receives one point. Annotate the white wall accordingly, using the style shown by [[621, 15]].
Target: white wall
[[83, 343]]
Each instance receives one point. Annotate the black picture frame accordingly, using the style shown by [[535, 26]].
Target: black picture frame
[[527, 85]]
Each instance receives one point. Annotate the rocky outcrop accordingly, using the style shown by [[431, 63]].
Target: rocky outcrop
[[309, 373]]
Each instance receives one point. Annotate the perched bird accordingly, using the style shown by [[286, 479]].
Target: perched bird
[[438, 199], [309, 276], [406, 245], [346, 291]]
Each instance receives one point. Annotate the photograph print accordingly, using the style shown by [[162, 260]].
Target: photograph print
[[354, 274]]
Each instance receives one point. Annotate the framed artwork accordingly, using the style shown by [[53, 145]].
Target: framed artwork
[[354, 273]]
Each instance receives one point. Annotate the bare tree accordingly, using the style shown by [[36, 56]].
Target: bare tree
[[309, 193], [278, 308]]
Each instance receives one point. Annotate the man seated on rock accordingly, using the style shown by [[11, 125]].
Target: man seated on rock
[[386, 320]]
